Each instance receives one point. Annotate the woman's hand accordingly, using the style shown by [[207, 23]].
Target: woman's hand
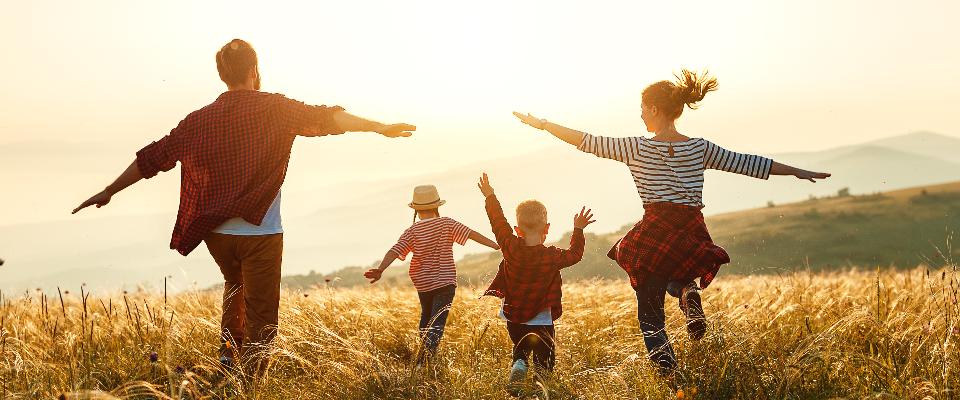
[[783, 169], [373, 274], [529, 119], [571, 136], [810, 175]]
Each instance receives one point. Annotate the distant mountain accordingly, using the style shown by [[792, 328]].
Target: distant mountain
[[354, 223], [901, 228], [924, 143]]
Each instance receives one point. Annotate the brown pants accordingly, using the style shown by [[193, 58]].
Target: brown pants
[[251, 289]]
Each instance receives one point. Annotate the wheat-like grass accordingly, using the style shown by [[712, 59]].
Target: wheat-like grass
[[851, 334]]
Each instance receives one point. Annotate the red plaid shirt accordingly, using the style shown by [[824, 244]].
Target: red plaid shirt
[[528, 279], [234, 155], [671, 242]]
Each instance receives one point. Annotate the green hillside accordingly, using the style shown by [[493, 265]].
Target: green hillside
[[901, 228]]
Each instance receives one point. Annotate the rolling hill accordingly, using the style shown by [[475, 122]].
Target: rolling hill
[[330, 225], [902, 228]]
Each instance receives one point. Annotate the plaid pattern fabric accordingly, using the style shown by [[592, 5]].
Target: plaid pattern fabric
[[528, 279], [671, 242], [233, 155]]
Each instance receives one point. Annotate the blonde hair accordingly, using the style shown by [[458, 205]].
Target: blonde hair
[[531, 216]]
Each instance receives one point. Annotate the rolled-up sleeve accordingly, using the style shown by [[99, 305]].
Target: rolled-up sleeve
[[162, 155], [303, 119]]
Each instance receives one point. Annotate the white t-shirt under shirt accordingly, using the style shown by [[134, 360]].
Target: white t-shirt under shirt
[[270, 225], [542, 318]]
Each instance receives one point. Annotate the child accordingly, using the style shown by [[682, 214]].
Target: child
[[528, 280], [432, 269]]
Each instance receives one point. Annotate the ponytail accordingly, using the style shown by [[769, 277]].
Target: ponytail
[[688, 90], [692, 87]]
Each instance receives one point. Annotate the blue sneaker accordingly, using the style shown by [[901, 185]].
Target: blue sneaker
[[517, 375]]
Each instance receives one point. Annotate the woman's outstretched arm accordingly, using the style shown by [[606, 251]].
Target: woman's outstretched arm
[[563, 133], [784, 169]]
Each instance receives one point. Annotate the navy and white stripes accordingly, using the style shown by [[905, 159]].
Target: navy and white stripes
[[675, 177]]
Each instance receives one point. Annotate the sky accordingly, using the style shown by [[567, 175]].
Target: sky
[[794, 76]]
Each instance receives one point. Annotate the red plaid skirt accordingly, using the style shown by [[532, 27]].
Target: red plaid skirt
[[671, 242]]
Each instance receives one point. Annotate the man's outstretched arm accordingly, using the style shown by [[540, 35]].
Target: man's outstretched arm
[[308, 120], [129, 176], [352, 123]]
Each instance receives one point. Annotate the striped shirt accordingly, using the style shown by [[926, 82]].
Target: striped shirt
[[431, 241], [676, 178]]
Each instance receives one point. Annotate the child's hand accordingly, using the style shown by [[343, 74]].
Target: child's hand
[[484, 185], [373, 274], [583, 219]]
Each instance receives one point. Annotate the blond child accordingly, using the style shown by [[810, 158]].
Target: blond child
[[528, 280]]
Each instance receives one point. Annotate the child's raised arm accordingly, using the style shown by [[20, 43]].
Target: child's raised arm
[[477, 237], [574, 254], [374, 274], [501, 228]]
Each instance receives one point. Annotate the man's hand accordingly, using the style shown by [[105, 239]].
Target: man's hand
[[810, 175], [529, 119], [583, 219], [373, 274], [484, 185], [100, 199], [396, 130]]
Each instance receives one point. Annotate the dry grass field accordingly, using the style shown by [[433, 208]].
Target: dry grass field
[[853, 334]]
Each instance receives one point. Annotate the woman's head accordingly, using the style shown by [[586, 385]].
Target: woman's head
[[663, 102]]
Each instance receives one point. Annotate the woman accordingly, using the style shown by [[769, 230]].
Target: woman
[[670, 248]]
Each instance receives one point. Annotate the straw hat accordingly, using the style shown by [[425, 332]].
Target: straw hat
[[426, 197]]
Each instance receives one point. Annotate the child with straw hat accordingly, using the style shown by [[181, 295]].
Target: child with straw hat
[[432, 268]]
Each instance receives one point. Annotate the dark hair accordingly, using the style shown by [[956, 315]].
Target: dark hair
[[234, 61], [670, 97]]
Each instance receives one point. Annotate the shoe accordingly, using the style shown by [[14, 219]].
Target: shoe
[[692, 306], [518, 373]]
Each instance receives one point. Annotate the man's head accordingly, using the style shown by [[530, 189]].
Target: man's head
[[237, 65], [532, 221]]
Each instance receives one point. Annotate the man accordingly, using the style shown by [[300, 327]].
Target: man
[[233, 155]]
